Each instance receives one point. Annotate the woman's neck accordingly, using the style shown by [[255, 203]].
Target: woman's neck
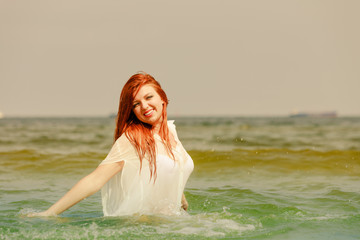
[[157, 126]]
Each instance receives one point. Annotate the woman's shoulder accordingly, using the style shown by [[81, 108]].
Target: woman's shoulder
[[171, 123], [122, 150], [172, 127], [124, 146], [123, 140]]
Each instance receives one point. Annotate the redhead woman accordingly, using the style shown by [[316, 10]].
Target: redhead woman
[[147, 167]]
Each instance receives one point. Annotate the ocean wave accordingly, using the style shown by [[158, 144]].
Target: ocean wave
[[279, 160]]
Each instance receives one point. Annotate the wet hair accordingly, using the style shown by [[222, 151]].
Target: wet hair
[[140, 134]]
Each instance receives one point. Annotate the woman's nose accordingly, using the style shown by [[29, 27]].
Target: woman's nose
[[144, 105]]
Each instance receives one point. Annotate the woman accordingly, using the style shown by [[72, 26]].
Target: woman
[[147, 167]]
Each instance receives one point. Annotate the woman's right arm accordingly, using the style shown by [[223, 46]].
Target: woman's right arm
[[84, 188]]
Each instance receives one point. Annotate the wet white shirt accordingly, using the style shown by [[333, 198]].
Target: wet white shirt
[[131, 191]]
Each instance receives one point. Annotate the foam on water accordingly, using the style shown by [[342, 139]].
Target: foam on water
[[208, 225]]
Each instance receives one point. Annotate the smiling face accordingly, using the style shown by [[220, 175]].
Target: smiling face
[[148, 106]]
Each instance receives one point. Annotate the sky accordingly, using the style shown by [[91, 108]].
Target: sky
[[213, 58]]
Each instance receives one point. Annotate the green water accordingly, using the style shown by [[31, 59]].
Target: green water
[[254, 178]]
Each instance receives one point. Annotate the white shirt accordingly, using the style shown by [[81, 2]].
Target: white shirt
[[131, 191]]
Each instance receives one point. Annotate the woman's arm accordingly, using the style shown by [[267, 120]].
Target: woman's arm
[[184, 203], [84, 188]]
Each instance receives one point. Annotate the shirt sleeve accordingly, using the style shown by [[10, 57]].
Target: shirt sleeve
[[172, 128], [122, 150]]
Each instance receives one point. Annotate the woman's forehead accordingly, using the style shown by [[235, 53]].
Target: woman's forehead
[[145, 89]]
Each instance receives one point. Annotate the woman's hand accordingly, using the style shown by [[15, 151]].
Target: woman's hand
[[184, 203], [40, 214]]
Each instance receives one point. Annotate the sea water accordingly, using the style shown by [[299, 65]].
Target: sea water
[[254, 178]]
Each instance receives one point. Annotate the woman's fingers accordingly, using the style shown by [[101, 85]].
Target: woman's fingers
[[38, 214]]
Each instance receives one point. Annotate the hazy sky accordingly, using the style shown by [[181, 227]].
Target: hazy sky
[[224, 57]]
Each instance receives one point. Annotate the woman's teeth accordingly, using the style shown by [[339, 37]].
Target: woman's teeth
[[148, 113]]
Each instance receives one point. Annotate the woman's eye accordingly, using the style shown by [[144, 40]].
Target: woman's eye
[[135, 105], [148, 97]]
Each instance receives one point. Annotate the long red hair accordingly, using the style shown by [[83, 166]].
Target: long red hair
[[140, 134]]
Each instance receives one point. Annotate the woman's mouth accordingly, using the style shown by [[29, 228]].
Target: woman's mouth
[[149, 113]]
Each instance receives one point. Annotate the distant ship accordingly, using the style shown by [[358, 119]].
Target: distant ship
[[330, 114]]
